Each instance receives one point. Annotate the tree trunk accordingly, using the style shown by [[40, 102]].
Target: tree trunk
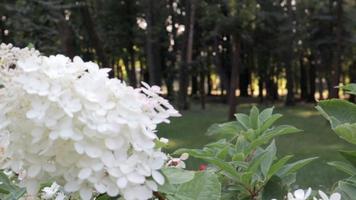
[[194, 81], [244, 81], [312, 79], [235, 64], [290, 101], [303, 81], [132, 69], [336, 67], [93, 35], [202, 88], [187, 55], [67, 38], [352, 71], [152, 45]]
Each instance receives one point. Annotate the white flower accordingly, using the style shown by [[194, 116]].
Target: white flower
[[66, 121], [60, 196], [299, 194], [50, 192], [334, 196], [178, 162]]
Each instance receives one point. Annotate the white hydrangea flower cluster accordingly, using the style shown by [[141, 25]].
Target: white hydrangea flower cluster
[[65, 120], [301, 194]]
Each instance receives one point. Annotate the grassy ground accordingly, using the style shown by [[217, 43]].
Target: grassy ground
[[316, 140]]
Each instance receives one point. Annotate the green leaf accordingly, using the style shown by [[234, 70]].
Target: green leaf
[[12, 191], [272, 133], [238, 157], [347, 132], [345, 167], [337, 111], [177, 175], [244, 120], [228, 129], [254, 118], [347, 188], [266, 114], [105, 197], [274, 189], [267, 158], [349, 88], [278, 165], [349, 156], [294, 167], [269, 122], [204, 186], [225, 166]]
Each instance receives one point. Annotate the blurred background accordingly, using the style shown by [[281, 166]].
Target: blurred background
[[213, 58]]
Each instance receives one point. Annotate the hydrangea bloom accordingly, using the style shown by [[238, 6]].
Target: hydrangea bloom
[[299, 194], [65, 120]]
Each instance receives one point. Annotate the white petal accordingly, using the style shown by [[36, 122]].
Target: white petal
[[85, 193], [335, 196], [93, 151], [307, 194], [100, 188], [152, 185], [158, 177], [112, 190], [136, 178], [299, 194], [84, 173], [72, 186], [113, 144], [33, 170], [121, 182]]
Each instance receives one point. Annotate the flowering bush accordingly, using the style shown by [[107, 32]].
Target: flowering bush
[[64, 120]]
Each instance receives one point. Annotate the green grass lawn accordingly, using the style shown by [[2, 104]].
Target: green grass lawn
[[316, 140]]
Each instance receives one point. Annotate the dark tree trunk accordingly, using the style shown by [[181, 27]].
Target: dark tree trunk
[[132, 68], [152, 45], [303, 81], [244, 81], [290, 101], [187, 55], [194, 91], [219, 65], [352, 71], [67, 38], [170, 70], [235, 65], [260, 88], [312, 79], [336, 67], [93, 35], [202, 88]]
